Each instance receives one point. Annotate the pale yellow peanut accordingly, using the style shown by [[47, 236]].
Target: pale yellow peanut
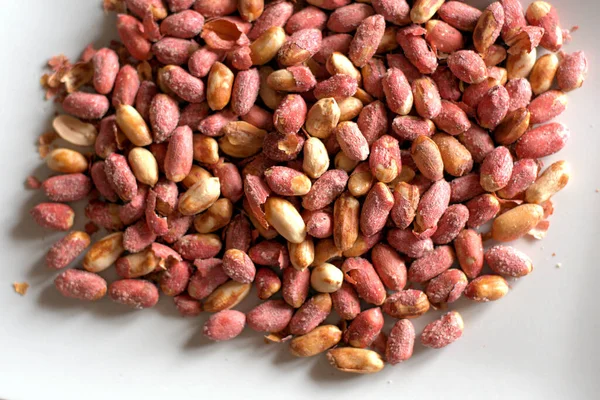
[[341, 161], [316, 159], [316, 341], [338, 63], [195, 175], [133, 125], [206, 149], [322, 118], [104, 252], [350, 108], [520, 65], [286, 220], [265, 48], [241, 139], [302, 254], [325, 250], [363, 96], [552, 180], [326, 278], [359, 361], [75, 131], [144, 166], [423, 10], [543, 73], [360, 183], [517, 222], [227, 296], [200, 196], [457, 159], [487, 288], [216, 217], [269, 96], [219, 86], [66, 161]]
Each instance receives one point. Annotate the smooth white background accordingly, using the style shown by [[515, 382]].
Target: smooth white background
[[539, 342]]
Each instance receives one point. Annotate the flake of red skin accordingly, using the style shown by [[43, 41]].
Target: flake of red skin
[[548, 207], [33, 183], [88, 53], [541, 229], [59, 62], [567, 34], [91, 228], [257, 192], [158, 225], [553, 254]]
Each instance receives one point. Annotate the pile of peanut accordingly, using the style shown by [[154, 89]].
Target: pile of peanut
[[336, 155]]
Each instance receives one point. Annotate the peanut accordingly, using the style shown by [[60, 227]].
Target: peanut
[[360, 361], [316, 341], [440, 333], [552, 180], [515, 223], [486, 288], [80, 285]]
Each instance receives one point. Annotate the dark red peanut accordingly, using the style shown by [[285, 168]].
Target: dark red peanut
[[400, 342], [364, 328], [469, 252], [67, 249], [389, 266], [295, 286], [311, 314], [360, 273], [405, 242], [135, 293], [81, 285], [447, 287], [450, 224], [431, 264], [346, 302]]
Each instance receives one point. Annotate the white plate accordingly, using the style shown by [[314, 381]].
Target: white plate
[[540, 342]]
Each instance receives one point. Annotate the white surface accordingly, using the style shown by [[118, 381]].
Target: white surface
[[540, 342]]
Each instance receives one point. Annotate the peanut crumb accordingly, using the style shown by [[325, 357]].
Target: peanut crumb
[[558, 265], [553, 254], [21, 287], [597, 190]]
